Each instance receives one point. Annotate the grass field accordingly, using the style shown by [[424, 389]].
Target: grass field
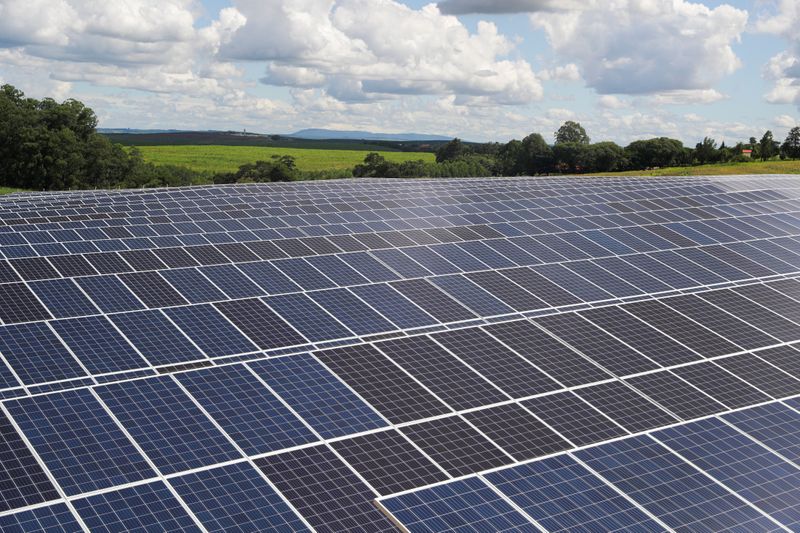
[[723, 169], [229, 158], [8, 190]]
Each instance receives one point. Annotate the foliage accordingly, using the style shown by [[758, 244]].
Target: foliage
[[451, 151], [571, 132], [768, 148], [790, 149], [659, 152]]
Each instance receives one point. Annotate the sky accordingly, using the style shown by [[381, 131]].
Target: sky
[[482, 70]]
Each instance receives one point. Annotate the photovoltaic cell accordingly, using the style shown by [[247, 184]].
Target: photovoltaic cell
[[352, 312], [325, 491], [433, 301], [245, 409], [673, 393], [140, 508], [210, 331], [260, 324], [625, 406], [669, 488], [547, 353], [36, 354], [443, 374], [562, 495], [516, 376], [41, 520], [382, 383], [78, 441], [98, 345], [596, 344], [318, 396], [775, 425], [389, 462], [721, 385], [467, 505], [169, 427], [63, 298], [235, 498], [575, 419], [393, 305], [109, 294], [637, 334], [761, 375], [22, 480], [745, 467], [156, 338], [18, 304]]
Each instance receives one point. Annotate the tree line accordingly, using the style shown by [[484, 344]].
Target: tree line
[[574, 153], [46, 145]]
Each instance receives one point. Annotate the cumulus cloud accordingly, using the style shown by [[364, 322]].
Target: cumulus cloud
[[689, 97], [371, 49], [646, 46], [784, 68], [465, 7]]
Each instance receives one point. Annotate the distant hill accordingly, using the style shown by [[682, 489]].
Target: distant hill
[[323, 134]]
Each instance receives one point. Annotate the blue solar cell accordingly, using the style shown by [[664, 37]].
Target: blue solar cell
[[22, 480], [572, 282], [352, 312], [471, 295], [78, 441], [193, 285], [603, 278], [702, 276], [459, 257], [149, 507], [236, 498], [169, 427], [36, 354], [562, 495], [308, 318], [109, 294], [467, 505], [606, 241], [775, 425], [269, 278], [513, 252], [671, 489], [232, 281], [318, 396], [211, 331], [337, 270], [401, 263], [485, 254], [749, 469], [63, 298], [156, 338], [431, 260], [369, 267], [41, 520], [303, 274], [390, 303], [98, 345], [257, 420]]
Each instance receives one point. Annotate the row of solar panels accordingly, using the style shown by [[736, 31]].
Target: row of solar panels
[[736, 472], [182, 334], [148, 232], [272, 404]]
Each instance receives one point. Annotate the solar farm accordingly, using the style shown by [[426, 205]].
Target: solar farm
[[548, 354]]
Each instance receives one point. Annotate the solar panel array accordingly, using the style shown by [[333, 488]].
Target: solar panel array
[[434, 355]]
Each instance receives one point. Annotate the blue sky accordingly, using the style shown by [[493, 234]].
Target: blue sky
[[478, 69]]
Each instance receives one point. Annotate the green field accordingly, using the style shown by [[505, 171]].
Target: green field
[[229, 158], [722, 169], [8, 190]]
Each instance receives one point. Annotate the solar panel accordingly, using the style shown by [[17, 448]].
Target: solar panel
[[562, 495], [470, 355], [174, 433], [139, 508], [465, 505]]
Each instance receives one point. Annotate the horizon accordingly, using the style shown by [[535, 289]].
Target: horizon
[[474, 69]]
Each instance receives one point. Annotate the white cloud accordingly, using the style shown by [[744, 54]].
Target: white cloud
[[609, 101], [367, 49], [464, 7], [786, 121], [646, 46], [689, 97], [568, 72], [784, 67]]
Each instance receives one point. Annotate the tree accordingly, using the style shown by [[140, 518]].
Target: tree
[[767, 146], [451, 151], [537, 155], [659, 152], [571, 132], [706, 151], [791, 146]]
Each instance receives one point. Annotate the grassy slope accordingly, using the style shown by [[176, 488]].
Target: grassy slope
[[8, 190], [229, 158], [725, 169]]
